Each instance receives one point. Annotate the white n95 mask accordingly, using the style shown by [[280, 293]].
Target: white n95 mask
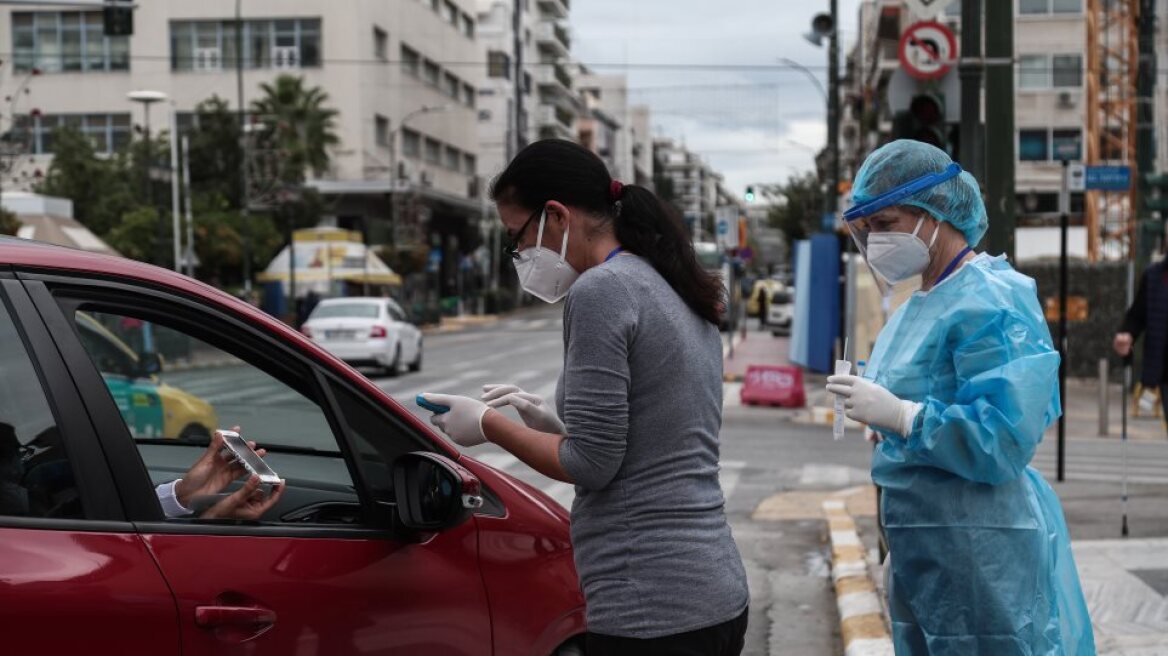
[[543, 273], [898, 256]]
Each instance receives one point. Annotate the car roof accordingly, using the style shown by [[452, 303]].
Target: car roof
[[26, 254], [351, 299]]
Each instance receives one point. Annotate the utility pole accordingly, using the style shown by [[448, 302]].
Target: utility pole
[[831, 204], [999, 137], [244, 201], [1149, 231], [970, 70], [517, 28]]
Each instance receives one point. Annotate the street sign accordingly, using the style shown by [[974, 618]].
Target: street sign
[[726, 230], [1108, 178], [1076, 177], [434, 261], [927, 50], [926, 9]]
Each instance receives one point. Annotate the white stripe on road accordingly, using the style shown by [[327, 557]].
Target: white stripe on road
[[500, 461], [729, 475], [731, 395], [445, 384]]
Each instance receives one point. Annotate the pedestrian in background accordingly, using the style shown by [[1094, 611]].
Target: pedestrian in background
[[640, 405], [1148, 316], [961, 385]]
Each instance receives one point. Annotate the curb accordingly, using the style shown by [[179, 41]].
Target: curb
[[454, 325], [862, 626]]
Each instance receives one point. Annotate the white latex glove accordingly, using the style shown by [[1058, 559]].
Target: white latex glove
[[871, 404], [463, 422], [531, 408]]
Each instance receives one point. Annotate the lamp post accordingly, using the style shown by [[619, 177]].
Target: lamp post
[[146, 99], [827, 25], [791, 63]]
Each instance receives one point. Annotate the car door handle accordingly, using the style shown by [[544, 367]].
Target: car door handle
[[215, 616]]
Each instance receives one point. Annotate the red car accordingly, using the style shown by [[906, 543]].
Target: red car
[[387, 540]]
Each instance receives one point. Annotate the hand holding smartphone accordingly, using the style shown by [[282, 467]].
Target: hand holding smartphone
[[242, 452]]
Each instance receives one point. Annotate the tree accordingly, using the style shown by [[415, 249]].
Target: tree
[[9, 224], [136, 235], [799, 216], [99, 188], [298, 126], [215, 155]]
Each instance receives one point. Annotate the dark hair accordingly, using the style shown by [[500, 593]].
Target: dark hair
[[555, 169]]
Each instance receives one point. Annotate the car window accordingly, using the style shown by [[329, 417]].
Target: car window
[[395, 312], [36, 479], [346, 310], [200, 388]]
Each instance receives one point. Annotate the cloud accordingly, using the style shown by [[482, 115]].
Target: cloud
[[740, 120]]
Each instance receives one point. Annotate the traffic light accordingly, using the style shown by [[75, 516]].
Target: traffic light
[[749, 195], [923, 121], [1155, 192], [118, 18]]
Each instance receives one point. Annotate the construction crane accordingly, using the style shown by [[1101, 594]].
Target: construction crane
[[1112, 71]]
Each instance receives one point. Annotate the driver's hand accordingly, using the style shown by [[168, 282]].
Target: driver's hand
[[246, 503]]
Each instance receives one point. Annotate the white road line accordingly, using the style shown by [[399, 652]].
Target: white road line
[[731, 395], [445, 384], [561, 492], [500, 461], [729, 475]]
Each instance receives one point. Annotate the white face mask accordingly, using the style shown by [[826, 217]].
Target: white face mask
[[898, 256], [543, 273]]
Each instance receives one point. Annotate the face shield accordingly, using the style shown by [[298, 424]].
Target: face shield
[[875, 242]]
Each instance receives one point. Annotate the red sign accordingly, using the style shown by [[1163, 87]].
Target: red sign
[[927, 50], [773, 385]]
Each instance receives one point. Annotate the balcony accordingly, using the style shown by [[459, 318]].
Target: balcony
[[553, 38], [553, 76], [554, 9]]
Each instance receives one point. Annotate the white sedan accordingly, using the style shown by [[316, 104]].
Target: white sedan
[[366, 332], [780, 312]]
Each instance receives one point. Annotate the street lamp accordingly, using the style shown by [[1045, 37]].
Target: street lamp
[[393, 177], [827, 25], [146, 99], [790, 63]]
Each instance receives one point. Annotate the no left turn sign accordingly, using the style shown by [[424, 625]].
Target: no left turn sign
[[927, 50]]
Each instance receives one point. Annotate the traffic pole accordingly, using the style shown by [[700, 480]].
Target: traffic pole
[[1064, 209]]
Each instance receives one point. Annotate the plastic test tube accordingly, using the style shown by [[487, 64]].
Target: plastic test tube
[[842, 368]]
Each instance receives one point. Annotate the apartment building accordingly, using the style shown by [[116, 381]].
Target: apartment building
[[685, 180], [631, 150], [532, 99], [401, 74]]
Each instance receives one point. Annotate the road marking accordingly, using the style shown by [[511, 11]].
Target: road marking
[[729, 475], [731, 395], [443, 385], [500, 461]]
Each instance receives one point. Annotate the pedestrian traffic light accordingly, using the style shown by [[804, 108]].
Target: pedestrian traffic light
[[118, 18], [1155, 192], [923, 121], [749, 195]]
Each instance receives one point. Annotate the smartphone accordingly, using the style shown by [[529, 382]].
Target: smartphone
[[250, 460], [432, 407]]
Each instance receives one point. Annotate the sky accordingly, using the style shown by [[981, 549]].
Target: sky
[[758, 123]]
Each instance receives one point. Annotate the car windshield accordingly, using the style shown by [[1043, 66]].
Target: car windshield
[[348, 310]]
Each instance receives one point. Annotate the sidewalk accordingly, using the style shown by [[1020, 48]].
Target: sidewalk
[[756, 348]]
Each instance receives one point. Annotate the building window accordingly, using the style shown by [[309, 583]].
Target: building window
[[411, 143], [411, 61], [468, 26], [1050, 6], [107, 133], [1032, 146], [211, 45], [469, 164], [450, 85], [453, 158], [381, 130], [468, 96], [66, 41], [450, 13], [1067, 144], [498, 64], [433, 151], [430, 72], [380, 44], [1067, 70], [1032, 72]]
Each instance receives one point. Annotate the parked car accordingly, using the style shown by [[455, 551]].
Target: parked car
[[150, 407], [386, 541], [781, 312], [763, 287], [366, 332], [711, 258]]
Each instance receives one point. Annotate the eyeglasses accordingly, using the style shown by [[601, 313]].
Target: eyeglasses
[[512, 246]]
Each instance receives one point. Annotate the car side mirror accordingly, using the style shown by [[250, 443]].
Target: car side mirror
[[433, 492], [149, 364]]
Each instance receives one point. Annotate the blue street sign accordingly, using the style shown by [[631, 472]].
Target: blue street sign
[[723, 227], [827, 222], [434, 261], [1108, 178]]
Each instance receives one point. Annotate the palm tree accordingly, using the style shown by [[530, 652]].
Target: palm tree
[[298, 126]]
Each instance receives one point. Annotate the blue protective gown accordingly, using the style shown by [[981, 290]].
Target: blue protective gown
[[979, 550]]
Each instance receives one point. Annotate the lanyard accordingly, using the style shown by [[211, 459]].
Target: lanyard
[[953, 265], [616, 251]]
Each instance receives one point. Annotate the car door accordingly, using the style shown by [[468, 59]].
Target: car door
[[74, 574], [408, 331], [325, 570]]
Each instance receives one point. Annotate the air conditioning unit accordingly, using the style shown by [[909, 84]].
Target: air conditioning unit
[[285, 57], [207, 59], [424, 179], [1066, 100]]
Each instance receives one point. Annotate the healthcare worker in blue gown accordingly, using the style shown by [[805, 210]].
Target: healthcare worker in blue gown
[[960, 386]]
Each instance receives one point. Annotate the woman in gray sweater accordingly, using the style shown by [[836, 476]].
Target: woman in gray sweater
[[640, 405]]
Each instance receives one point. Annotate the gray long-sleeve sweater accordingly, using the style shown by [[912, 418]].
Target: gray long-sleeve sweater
[[641, 396]]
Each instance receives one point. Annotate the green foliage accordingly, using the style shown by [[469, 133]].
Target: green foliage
[[215, 153], [9, 224], [799, 217], [99, 188], [136, 235], [298, 126]]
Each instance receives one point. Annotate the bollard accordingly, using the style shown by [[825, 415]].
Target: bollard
[[1104, 405]]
